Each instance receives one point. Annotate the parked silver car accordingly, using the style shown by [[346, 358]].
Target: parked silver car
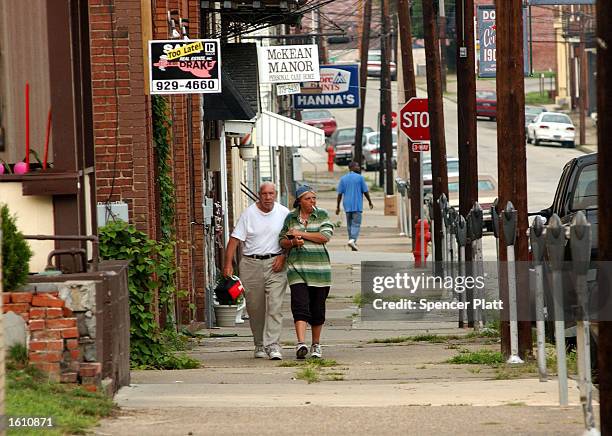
[[371, 151]]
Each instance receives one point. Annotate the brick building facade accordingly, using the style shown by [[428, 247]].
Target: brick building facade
[[124, 149]]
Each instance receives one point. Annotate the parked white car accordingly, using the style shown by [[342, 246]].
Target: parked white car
[[552, 127], [371, 152]]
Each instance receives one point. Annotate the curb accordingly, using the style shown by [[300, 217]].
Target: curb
[[587, 149]]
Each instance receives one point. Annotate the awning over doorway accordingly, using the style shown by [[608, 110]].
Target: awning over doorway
[[274, 130]]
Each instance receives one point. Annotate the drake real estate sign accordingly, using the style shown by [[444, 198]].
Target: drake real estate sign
[[338, 89], [288, 63]]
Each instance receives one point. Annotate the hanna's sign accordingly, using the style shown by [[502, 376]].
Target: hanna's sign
[[185, 66], [288, 63], [337, 89]]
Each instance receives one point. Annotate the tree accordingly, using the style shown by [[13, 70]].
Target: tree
[[16, 253]]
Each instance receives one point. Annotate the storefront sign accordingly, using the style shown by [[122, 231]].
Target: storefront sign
[[338, 88], [185, 66], [288, 63]]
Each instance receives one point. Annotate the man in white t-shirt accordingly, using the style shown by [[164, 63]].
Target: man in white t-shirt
[[262, 269]]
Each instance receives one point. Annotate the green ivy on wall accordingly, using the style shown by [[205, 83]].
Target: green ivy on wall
[[151, 268], [162, 124]]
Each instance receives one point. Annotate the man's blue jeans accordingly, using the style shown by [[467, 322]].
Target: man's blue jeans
[[353, 224]]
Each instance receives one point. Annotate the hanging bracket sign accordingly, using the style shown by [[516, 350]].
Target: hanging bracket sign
[[288, 63], [183, 66]]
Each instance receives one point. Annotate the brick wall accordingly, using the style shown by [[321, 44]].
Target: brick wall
[[121, 112], [187, 174], [125, 157], [54, 343]]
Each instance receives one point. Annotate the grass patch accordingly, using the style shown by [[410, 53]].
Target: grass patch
[[309, 374], [535, 98], [311, 361], [484, 333], [480, 357], [435, 339], [334, 378], [72, 409]]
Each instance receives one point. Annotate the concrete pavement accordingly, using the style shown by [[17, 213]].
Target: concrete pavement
[[375, 381]]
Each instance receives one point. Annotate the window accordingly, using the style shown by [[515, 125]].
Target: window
[[556, 118], [486, 95], [346, 135], [316, 115], [485, 185], [23, 60], [585, 192]]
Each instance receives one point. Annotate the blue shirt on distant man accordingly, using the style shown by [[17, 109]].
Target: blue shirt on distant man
[[353, 187]]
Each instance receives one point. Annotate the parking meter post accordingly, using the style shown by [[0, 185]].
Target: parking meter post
[[461, 241], [536, 238], [469, 291], [409, 207], [453, 218], [432, 229], [580, 244], [509, 228], [400, 184], [422, 202], [495, 225], [555, 245], [443, 202], [478, 267]]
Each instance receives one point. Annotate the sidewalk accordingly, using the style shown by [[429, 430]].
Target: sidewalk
[[387, 387]]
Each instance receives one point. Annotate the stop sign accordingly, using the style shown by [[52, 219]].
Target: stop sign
[[414, 119]]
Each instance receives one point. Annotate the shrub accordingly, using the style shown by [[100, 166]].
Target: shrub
[[16, 253]]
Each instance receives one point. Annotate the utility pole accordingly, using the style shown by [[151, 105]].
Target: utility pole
[[466, 110], [322, 43], [363, 78], [604, 115], [414, 159], [442, 29], [386, 139], [439, 170], [511, 152], [583, 77]]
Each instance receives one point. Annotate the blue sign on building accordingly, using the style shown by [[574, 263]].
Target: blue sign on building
[[339, 89], [487, 33]]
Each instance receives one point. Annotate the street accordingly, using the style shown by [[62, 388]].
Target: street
[[544, 163]]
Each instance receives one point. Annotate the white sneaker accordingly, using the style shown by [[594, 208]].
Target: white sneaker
[[260, 352], [274, 352], [351, 243], [315, 351]]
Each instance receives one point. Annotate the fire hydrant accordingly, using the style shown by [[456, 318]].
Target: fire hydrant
[[331, 154], [417, 243]]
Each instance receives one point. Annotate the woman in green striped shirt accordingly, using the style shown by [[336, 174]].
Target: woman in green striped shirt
[[306, 231]]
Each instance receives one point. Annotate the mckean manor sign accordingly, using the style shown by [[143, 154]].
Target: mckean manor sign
[[288, 63]]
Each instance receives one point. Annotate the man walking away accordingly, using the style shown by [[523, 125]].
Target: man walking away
[[262, 269], [353, 186]]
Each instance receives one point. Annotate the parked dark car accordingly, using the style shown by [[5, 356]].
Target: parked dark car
[[320, 118], [576, 191], [343, 141], [486, 104]]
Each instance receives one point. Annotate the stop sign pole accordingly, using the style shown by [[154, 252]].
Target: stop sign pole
[[414, 123]]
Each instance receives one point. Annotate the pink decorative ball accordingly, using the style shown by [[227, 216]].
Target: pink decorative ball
[[1, 168], [20, 168]]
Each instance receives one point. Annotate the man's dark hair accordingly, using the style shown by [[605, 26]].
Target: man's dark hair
[[353, 166]]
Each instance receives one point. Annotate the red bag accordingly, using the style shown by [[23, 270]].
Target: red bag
[[228, 289]]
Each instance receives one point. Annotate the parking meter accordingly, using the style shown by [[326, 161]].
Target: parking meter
[[555, 246], [509, 224], [537, 242], [495, 218], [580, 244], [476, 213], [461, 231]]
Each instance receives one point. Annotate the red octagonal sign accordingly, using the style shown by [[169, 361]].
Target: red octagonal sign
[[414, 119]]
